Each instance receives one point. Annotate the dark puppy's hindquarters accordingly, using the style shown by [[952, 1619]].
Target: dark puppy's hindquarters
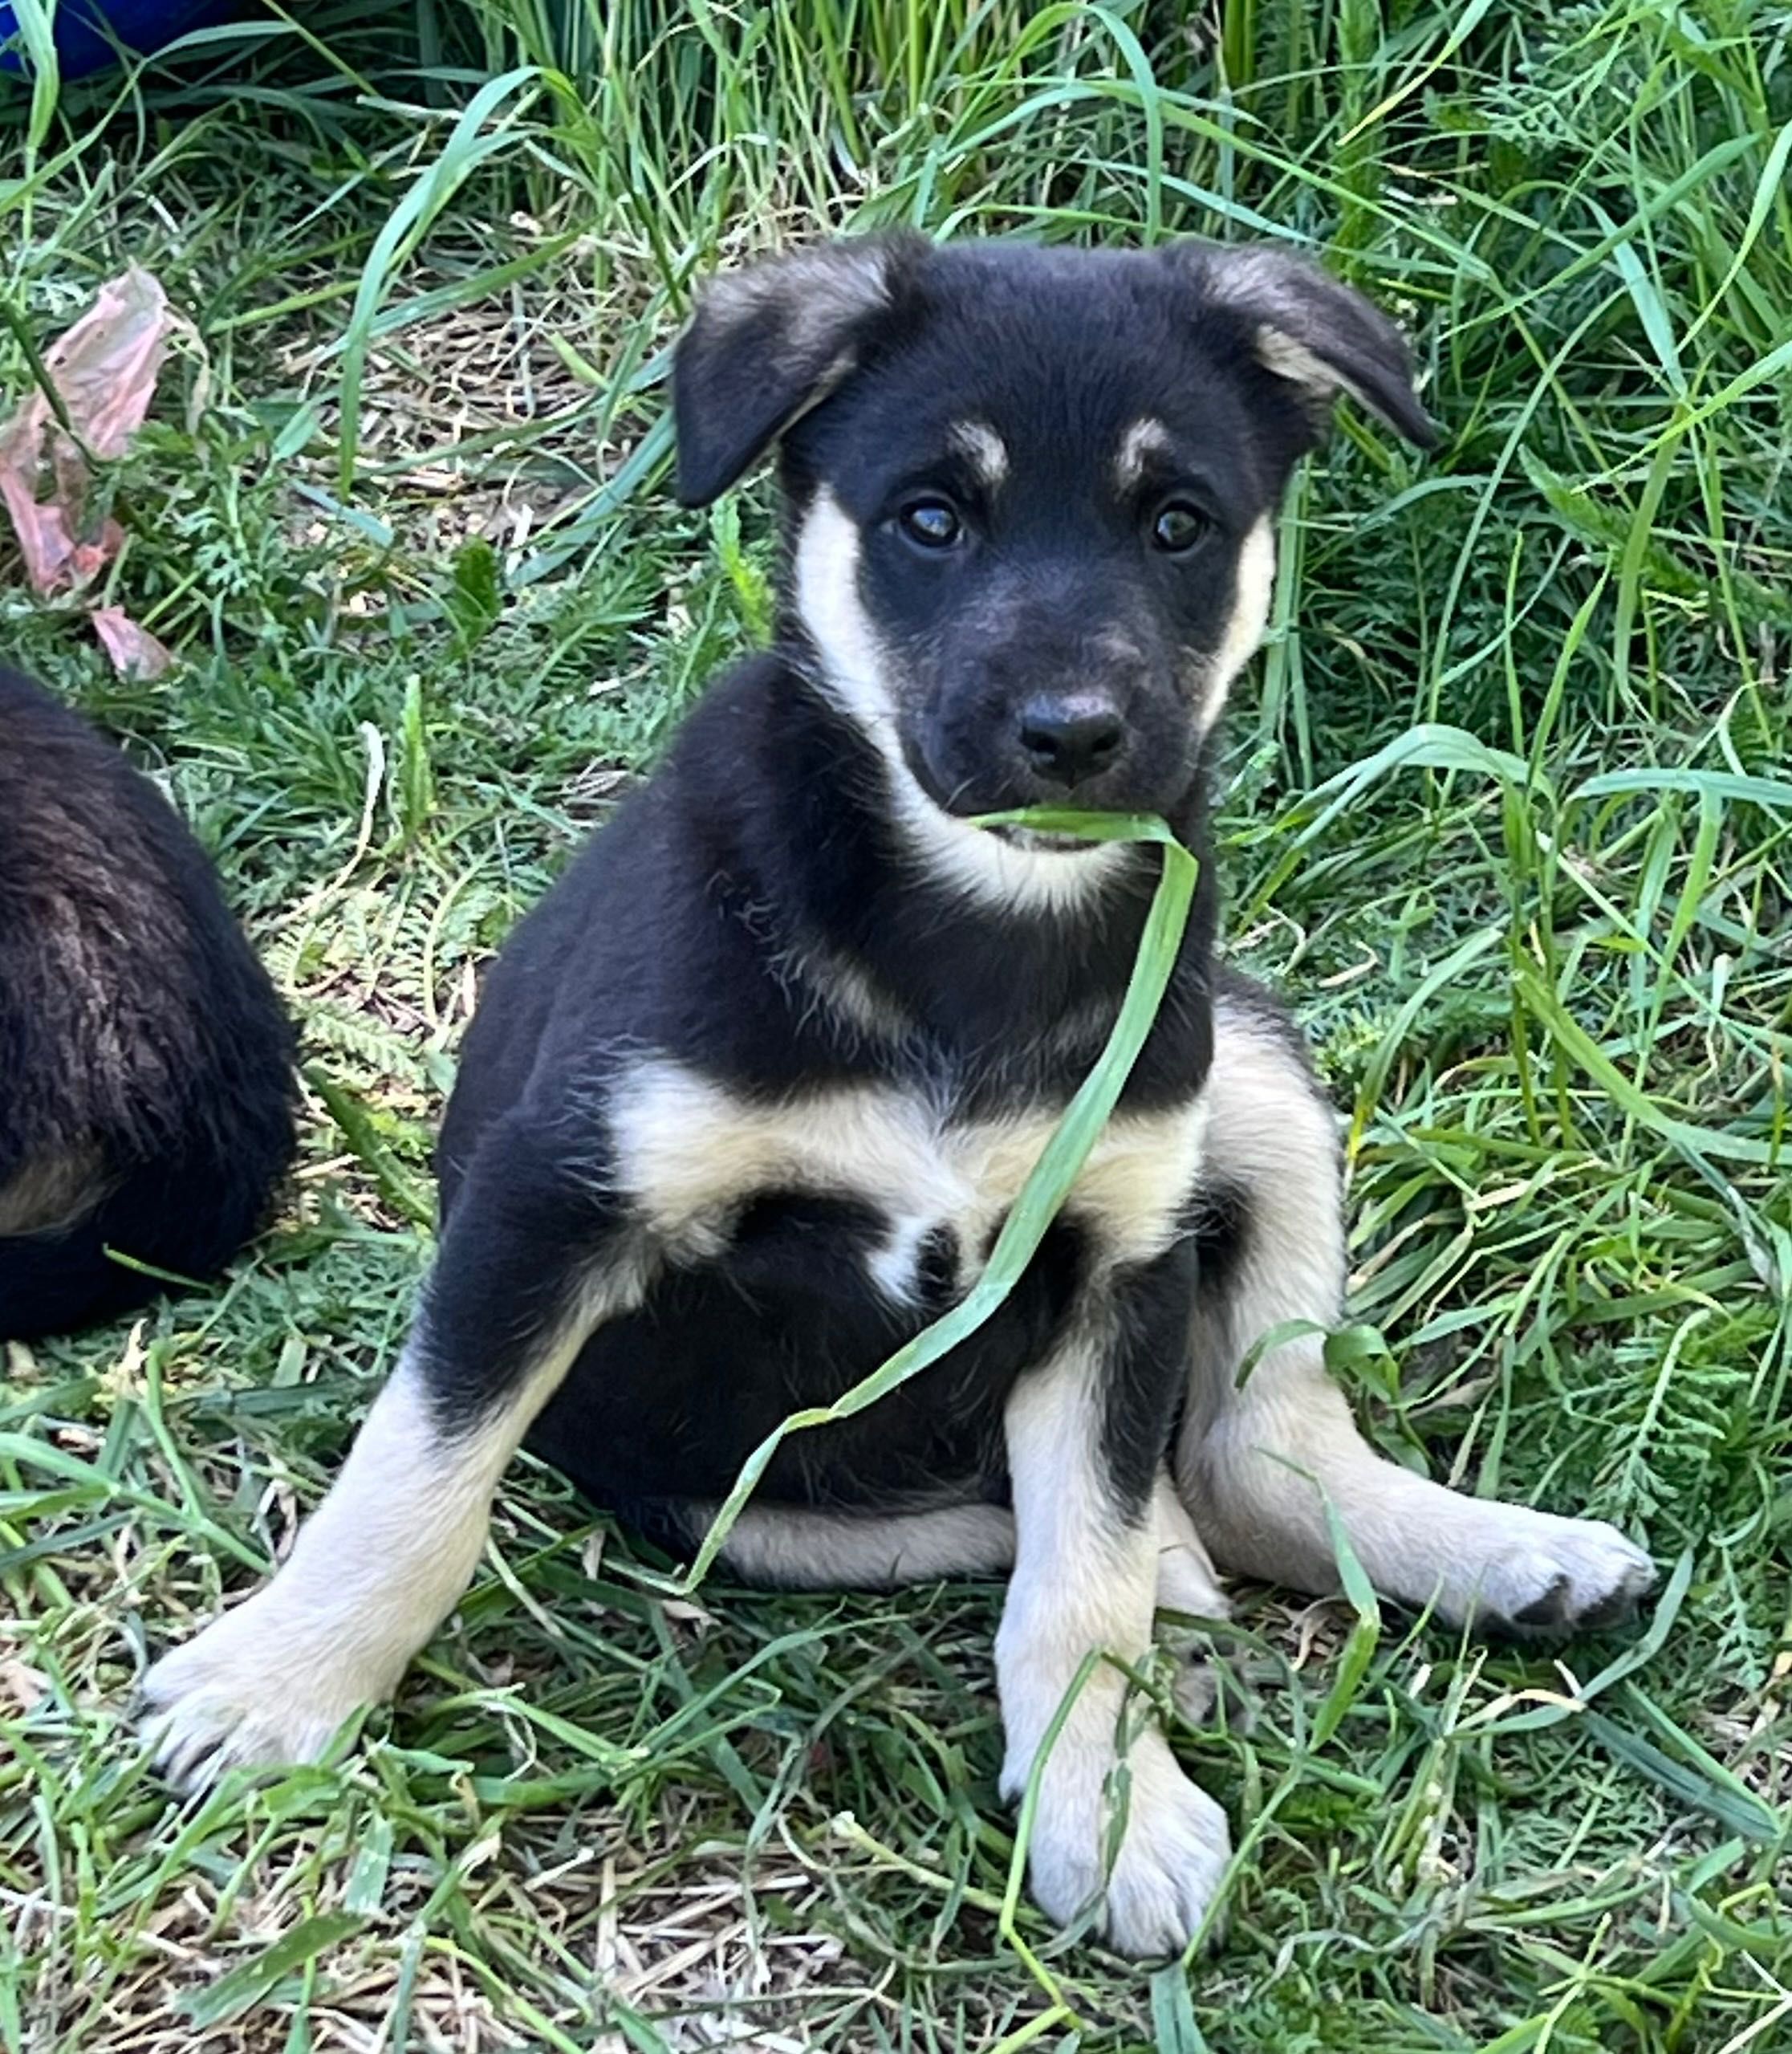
[[148, 1092]]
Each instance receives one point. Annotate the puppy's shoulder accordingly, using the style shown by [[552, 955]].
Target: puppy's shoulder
[[650, 939]]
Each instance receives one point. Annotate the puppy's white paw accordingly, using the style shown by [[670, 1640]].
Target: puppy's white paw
[[1174, 1852], [1186, 1583], [247, 1692], [1186, 1579], [1539, 1573]]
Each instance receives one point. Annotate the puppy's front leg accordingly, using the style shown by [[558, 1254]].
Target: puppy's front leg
[[534, 1256], [1086, 1435]]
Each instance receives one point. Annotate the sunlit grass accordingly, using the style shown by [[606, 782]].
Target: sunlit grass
[[1506, 813]]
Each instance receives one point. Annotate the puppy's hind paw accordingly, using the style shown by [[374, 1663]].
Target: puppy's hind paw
[[1559, 1576]]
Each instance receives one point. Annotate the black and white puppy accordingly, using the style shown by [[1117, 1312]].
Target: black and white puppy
[[146, 1078], [749, 1094]]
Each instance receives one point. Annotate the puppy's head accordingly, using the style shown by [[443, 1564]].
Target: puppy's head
[[1031, 492]]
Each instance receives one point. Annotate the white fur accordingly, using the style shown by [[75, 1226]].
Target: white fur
[[373, 1572], [1256, 1466], [858, 1007], [1144, 439], [895, 1266], [984, 866], [691, 1150], [803, 1548], [1252, 592], [392, 1546], [987, 452], [1083, 1582], [1186, 1579], [800, 1548], [1300, 366]]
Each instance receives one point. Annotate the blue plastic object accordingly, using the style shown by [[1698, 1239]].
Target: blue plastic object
[[83, 42]]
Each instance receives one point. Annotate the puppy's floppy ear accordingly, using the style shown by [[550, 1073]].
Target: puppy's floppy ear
[[1318, 334], [771, 341]]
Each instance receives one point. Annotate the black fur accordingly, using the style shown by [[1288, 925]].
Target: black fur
[[146, 1086], [712, 920], [1346, 335], [746, 1095], [670, 932]]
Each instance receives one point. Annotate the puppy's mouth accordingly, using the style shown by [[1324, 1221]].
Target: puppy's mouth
[[981, 804], [1042, 840]]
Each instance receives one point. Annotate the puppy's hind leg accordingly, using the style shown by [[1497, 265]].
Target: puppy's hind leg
[[1256, 1466], [806, 1547], [531, 1261]]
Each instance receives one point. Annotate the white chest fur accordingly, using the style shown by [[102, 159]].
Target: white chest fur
[[690, 1151]]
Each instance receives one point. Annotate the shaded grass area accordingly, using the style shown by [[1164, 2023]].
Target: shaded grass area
[[1508, 814]]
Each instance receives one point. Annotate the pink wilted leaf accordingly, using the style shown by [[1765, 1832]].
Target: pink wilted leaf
[[104, 370], [134, 651]]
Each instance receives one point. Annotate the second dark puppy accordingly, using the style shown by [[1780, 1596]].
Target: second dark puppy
[[748, 1096], [146, 1067]]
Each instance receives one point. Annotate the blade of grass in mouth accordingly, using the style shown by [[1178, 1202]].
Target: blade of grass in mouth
[[1060, 1161]]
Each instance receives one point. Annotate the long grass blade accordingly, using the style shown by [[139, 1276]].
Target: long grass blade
[[1049, 1182]]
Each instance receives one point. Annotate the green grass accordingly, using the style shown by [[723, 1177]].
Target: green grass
[[1508, 814]]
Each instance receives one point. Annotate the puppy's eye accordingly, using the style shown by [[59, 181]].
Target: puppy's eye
[[932, 523], [1178, 528]]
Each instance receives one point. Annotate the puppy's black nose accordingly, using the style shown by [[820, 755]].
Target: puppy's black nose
[[1071, 737]]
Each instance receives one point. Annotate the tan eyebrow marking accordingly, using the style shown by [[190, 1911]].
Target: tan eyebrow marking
[[1147, 438], [987, 452]]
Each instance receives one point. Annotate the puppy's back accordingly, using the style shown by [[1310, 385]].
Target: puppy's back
[[145, 1062]]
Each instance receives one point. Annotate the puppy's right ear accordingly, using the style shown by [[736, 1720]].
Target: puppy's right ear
[[768, 343]]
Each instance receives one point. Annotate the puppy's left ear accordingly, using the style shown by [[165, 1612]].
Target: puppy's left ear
[[768, 343], [1320, 335]]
